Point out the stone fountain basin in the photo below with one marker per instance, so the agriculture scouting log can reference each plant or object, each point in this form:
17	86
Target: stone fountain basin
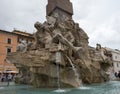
43	70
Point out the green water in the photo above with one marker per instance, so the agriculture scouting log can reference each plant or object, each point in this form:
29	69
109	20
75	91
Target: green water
106	88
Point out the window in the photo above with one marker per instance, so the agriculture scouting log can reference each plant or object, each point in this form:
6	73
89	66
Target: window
9	41
117	65
8	50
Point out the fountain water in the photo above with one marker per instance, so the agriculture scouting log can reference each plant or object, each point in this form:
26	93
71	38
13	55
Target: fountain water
58	60
59	90
58	74
1	87
75	71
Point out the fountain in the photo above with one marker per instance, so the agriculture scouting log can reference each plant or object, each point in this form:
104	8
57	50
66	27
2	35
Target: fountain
75	71
60	52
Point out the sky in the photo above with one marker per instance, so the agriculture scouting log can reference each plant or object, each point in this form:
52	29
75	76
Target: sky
100	19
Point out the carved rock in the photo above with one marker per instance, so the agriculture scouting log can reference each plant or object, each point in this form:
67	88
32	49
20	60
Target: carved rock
60	42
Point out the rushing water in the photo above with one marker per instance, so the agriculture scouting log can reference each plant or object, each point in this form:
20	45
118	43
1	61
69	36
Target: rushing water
75	71
106	88
58	61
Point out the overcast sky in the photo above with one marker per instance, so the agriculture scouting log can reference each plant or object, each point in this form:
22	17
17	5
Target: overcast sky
100	19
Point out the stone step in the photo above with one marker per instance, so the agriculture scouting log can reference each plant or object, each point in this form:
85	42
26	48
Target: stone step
6	83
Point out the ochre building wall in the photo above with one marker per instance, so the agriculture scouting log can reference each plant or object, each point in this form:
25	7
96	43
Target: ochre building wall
3	49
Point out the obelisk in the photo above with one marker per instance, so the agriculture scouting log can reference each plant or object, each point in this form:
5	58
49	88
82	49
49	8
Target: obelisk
63	8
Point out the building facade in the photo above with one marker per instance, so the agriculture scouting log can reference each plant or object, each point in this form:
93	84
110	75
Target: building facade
8	44
115	59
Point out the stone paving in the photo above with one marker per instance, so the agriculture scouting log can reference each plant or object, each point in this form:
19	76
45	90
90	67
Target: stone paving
6	83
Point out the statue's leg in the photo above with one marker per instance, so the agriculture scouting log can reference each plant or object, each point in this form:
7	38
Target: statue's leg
65	42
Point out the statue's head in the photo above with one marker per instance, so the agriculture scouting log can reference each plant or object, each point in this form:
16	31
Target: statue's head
98	46
38	25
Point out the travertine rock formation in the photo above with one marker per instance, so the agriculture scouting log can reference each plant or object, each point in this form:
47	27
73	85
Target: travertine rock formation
61	47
